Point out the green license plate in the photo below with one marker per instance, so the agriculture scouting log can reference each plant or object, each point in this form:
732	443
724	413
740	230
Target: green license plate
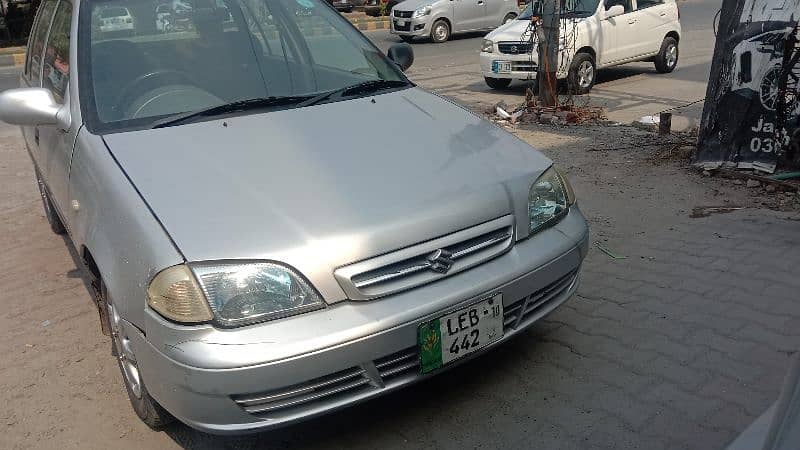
460	333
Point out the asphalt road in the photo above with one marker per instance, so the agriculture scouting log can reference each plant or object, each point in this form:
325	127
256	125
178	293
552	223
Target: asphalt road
627	92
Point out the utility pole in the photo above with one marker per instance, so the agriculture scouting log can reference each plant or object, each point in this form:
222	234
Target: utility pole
548	52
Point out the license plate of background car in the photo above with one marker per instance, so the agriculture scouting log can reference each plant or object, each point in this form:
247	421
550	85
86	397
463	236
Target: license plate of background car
401	23
460	333
501	66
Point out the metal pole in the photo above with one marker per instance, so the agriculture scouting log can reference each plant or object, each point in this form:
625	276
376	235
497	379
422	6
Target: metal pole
548	52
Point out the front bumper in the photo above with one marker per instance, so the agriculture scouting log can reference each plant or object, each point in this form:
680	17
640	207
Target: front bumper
523	66
413	27
231	381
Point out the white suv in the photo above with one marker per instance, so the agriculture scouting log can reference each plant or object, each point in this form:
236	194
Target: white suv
594	34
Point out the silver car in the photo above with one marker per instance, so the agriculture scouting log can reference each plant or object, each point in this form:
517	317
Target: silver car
257	259
439	19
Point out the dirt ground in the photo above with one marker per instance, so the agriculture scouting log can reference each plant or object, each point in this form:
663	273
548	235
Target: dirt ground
61	387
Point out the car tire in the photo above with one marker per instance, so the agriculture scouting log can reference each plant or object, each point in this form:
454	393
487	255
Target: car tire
440	31
148	410
582	74
508	18
407	39
667	57
497	83
49	209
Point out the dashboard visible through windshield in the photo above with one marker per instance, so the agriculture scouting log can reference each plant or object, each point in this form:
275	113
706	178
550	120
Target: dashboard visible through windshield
148	60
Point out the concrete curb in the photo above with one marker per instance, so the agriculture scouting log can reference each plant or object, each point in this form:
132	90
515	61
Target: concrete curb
12	59
16	58
371	25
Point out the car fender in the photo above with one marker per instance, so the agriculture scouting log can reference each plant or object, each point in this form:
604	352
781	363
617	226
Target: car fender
113	228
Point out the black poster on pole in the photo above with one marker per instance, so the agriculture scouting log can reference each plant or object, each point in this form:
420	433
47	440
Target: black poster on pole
738	127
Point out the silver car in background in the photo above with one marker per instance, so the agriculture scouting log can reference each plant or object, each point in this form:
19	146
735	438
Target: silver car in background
253	264
440	19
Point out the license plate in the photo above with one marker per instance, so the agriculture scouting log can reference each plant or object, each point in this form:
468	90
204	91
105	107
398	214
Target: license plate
401	23
460	333
501	66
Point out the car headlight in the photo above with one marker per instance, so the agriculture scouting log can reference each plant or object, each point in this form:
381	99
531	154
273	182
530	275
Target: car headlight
422	11
487	46
231	294
549	200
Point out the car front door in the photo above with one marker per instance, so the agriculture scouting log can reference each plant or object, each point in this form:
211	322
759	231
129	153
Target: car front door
32	73
55	142
654	16
619	33
469	15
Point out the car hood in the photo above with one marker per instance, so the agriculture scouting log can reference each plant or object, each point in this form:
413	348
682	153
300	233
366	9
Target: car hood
513	30
324	186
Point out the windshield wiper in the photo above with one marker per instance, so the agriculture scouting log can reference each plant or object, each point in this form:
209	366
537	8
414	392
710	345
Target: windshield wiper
237	106
358	88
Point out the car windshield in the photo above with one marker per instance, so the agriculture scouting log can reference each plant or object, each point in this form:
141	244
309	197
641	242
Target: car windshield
145	67
571	8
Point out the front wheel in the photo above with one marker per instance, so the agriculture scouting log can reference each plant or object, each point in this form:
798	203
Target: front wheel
440	31
667	57
581	76
151	413
497	83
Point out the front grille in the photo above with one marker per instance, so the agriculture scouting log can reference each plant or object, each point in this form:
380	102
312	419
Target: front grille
388	371
323	388
523	66
398	365
406	27
403	14
419	264
514	48
522	310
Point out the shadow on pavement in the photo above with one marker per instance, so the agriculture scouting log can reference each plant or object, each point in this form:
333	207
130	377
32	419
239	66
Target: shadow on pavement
456	37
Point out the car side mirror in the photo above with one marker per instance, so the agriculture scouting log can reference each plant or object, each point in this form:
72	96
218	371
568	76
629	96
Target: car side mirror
32	107
614	11
402	55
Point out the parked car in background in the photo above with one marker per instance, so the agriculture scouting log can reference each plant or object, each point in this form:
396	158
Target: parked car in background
345	5
116	20
164	18
247	286
439	19
379	7
594	35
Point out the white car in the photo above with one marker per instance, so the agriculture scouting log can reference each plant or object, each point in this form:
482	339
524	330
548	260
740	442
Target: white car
114	19
594	34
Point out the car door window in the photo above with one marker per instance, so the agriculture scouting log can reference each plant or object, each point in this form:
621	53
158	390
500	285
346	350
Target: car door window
626	4
33	66
642	4
55	73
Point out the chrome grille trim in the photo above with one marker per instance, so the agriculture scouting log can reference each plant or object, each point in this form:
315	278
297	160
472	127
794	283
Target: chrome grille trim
412	266
420	264
514	48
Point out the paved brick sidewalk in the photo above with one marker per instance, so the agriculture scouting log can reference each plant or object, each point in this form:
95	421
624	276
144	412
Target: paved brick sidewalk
687	340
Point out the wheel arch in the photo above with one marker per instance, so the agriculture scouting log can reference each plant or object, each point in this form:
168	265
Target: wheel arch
446	19
673	34
588	49
116	235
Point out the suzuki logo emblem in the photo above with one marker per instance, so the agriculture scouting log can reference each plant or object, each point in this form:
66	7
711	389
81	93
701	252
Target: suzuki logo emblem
514	48
440	261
